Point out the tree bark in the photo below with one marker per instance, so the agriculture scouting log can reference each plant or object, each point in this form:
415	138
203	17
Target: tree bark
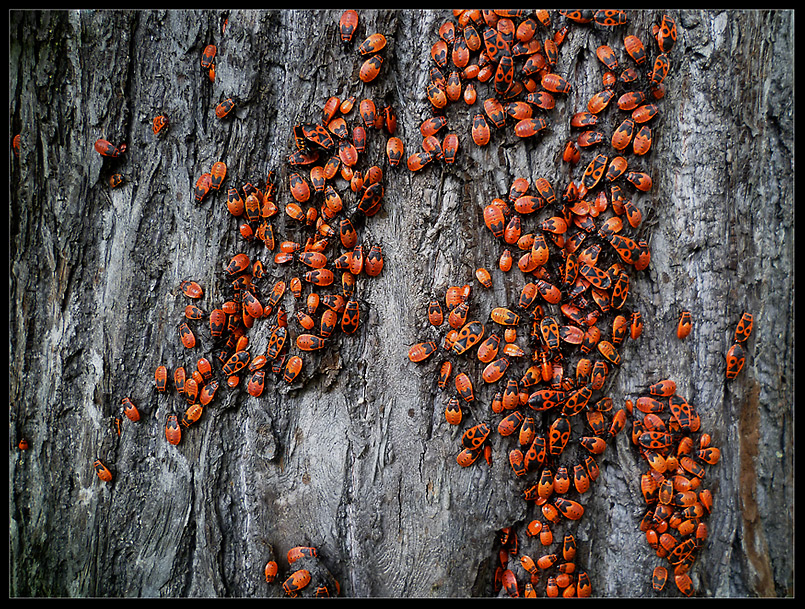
355	457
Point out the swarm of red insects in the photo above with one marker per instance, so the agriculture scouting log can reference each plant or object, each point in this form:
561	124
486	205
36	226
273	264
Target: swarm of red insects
547	564
666	429
576	247
313	231
332	190
576	243
307	575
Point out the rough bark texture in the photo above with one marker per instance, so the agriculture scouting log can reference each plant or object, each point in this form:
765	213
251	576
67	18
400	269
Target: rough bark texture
356	458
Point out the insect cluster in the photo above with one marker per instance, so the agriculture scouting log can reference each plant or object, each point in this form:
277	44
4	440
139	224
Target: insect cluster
669	438
546	358
307	567
576	244
736	357
332	189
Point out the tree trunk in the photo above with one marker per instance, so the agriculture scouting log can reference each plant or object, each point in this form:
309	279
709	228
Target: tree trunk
355	457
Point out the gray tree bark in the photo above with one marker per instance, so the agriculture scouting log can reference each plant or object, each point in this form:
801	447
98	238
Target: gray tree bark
355	457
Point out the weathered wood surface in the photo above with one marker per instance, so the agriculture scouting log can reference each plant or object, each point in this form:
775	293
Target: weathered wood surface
358	460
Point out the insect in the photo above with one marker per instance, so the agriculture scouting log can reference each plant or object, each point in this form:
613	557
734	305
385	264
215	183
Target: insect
256	383
666	34
607	56
661	67
237	362
464	387
130	410
292	368
104	148
609	17
622	136
438	52
161	377
468	456
558	435
474	437
160	124
504	75
102	471
572	510
217	175
480	130
348	24
735	360
594	172
598	102
351	317
298	580
217	322
555	83
659	577
684	326
435	314
191	415
421	351
529	127
187	336
450	148
208	393
223	109
418	160
394	150
271	571
634	47
370	68
203	186
373	44
433	125
452	412
644	113
374	261
298	552
437	95
504	316
744	328
173	433
208	56
684	583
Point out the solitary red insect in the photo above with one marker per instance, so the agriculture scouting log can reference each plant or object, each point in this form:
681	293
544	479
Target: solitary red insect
161	377
208	56
684	326
348	24
102	471
173	433
104	148
130	410
224	108
160	123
